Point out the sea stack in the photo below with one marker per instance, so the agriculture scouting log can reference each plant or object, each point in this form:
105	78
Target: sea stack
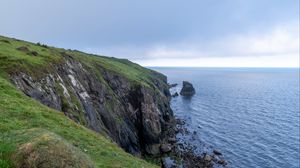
187	89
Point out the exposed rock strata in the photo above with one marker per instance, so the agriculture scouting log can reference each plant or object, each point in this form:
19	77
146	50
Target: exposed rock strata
132	114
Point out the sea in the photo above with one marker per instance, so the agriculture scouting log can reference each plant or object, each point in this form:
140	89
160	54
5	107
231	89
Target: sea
251	115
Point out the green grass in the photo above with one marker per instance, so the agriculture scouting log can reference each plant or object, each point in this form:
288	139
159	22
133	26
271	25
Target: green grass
13	60
19	112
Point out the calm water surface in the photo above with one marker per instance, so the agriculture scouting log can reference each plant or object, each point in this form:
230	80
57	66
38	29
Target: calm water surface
251	115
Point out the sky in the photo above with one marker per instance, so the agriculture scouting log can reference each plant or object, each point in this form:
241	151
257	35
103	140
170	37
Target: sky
191	33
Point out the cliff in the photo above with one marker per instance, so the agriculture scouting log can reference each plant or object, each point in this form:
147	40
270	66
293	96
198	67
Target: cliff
113	97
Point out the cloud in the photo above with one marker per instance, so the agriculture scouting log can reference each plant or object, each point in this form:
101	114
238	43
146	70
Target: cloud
262	61
280	40
278	46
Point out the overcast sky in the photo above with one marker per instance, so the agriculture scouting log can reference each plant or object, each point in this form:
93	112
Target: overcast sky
217	33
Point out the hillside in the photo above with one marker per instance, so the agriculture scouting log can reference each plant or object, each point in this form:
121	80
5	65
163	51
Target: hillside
94	103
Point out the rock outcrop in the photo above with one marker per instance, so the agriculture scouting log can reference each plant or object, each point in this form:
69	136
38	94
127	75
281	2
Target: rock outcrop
173	85
187	89
133	114
175	94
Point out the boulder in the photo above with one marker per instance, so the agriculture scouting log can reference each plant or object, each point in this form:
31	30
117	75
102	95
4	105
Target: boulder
165	148
23	49
207	158
222	162
187	89
216	152
34	53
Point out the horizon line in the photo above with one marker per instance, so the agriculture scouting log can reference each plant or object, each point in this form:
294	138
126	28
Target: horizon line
215	67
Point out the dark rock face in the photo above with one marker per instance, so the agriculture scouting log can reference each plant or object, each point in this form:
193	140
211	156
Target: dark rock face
175	94
187	89
133	115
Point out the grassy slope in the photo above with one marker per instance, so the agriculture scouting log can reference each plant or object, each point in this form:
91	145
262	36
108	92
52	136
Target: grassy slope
19	112
12	60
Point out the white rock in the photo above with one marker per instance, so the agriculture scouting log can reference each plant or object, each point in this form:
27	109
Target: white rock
84	95
73	80
65	90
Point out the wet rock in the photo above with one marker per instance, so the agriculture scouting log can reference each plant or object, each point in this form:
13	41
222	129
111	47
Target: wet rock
172	140
180	122
165	148
175	94
207	158
222	162
187	89
173	85
216	152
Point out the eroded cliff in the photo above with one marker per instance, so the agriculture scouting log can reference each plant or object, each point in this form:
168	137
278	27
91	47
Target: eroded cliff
111	96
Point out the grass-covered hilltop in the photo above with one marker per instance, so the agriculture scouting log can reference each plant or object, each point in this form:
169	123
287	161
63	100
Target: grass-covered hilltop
66	108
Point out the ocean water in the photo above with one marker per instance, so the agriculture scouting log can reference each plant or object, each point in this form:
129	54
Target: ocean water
250	114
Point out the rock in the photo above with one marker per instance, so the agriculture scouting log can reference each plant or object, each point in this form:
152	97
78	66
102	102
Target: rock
23	49
26	50
165	148
173	85
222	162
34	53
216	152
207	158
187	89
172	140
153	149
175	94
176	130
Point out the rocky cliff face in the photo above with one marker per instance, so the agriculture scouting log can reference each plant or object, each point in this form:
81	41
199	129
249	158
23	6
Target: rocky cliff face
133	114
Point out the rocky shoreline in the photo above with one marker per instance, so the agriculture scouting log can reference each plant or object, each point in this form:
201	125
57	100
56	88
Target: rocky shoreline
182	148
178	151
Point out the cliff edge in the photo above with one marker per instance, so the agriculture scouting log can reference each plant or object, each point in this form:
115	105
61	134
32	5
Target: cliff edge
114	97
